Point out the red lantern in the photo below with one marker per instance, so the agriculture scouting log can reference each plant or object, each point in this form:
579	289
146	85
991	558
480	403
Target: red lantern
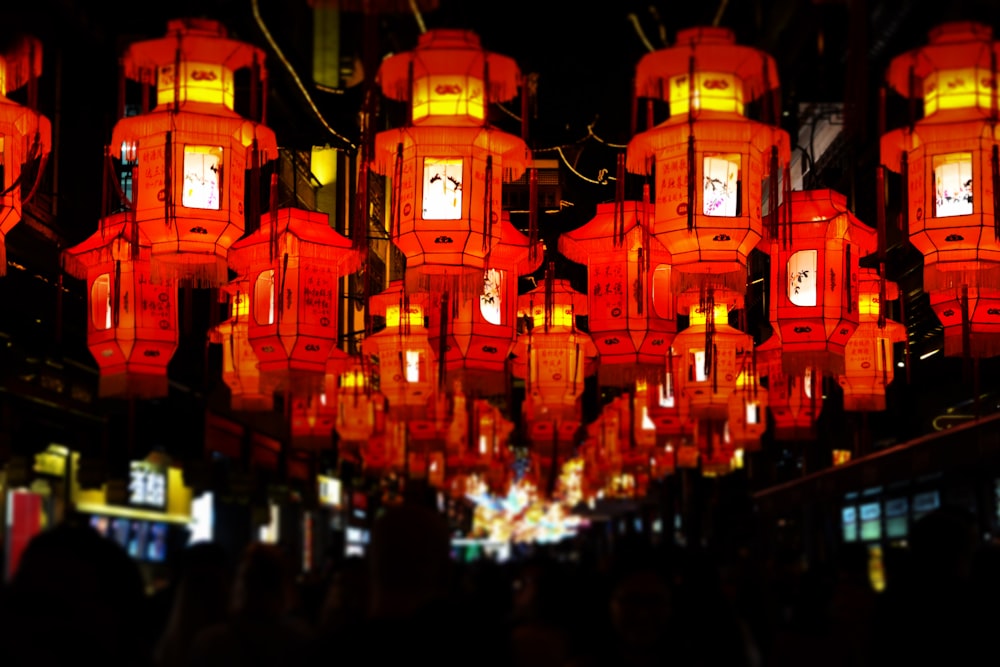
360	409
293	264
448	159
795	400
747	419
407	374
479	330
191	152
814	280
239	361
631	305
312	420
709	159
132	322
24	135
869	362
489	431
949	160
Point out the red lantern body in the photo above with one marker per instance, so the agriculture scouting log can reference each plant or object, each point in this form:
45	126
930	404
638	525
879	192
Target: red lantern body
448	164
24	134
869	360
192	150
360	409
794	400
488	449
294	283
132	322
949	160
631	304
481	328
747	420
814	280
709	159
239	361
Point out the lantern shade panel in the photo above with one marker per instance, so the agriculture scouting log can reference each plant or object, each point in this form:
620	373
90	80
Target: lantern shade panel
240	373
794	400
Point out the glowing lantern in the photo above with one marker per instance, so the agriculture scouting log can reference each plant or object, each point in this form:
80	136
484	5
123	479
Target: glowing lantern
293	264
407	374
631	303
814	280
132	322
709	159
448	159
312	420
480	329
360	409
870	358
950	163
24	135
489	431
747	419
707	354
239	361
795	400
191	152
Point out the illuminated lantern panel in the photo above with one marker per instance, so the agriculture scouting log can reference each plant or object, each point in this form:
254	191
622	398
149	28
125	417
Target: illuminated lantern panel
24	134
132	323
794	400
360	409
190	153
239	361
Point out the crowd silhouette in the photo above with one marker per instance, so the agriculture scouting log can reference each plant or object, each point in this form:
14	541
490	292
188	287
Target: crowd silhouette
77	596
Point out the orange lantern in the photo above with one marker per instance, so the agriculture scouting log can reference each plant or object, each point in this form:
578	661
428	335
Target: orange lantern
795	400
312	420
950	162
293	264
407	374
132	322
360	409
707	353
814	279
870	358
192	151
709	159
631	305
448	159
747	419
475	334
24	135
476	439
239	361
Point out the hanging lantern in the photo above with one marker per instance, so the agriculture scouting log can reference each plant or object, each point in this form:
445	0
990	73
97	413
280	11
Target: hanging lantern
795	400
192	150
747	419
489	432
950	162
472	336
631	304
814	279
709	159
312	421
360	409
717	455
707	353
869	362
25	136
239	362
448	159
132	322
293	264
407	374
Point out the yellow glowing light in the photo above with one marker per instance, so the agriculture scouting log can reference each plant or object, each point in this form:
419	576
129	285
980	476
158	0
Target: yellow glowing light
415	314
562	316
240	306
699	317
841	456
447	95
199	82
957	89
714	91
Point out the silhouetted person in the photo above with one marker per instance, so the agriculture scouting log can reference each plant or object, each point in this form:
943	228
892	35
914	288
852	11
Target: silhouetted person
76	598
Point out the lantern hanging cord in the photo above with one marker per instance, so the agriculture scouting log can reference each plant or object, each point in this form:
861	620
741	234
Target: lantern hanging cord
718	14
418	16
642	35
291	70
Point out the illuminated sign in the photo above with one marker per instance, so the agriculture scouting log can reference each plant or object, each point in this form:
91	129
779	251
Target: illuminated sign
147	485
330	491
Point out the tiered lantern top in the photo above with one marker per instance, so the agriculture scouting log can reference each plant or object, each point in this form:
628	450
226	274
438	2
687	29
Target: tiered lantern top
449	79
206	59
955	70
553	307
726	74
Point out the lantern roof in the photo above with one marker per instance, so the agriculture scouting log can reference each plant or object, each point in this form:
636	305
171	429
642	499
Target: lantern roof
598	235
951	46
308	233
19	64
196	40
563	294
823	213
393	296
99	246
514	249
449	52
868	283
450	140
713	50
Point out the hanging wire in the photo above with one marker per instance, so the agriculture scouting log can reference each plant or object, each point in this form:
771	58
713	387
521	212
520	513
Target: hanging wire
634	20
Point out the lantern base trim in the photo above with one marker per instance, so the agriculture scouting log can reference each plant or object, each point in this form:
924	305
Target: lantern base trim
461	282
198	270
734	280
944	276
133	385
627	374
864	403
794	362
251	403
982	345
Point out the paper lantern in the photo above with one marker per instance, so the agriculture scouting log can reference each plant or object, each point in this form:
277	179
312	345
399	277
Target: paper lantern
293	263
360	409
312	420
869	360
407	373
794	400
192	150
239	361
448	160
709	159
951	167
747	419
474	334
631	304
477	438
814	279
131	321
707	353
25	136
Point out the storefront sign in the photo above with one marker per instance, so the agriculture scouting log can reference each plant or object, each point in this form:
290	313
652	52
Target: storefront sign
147	485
